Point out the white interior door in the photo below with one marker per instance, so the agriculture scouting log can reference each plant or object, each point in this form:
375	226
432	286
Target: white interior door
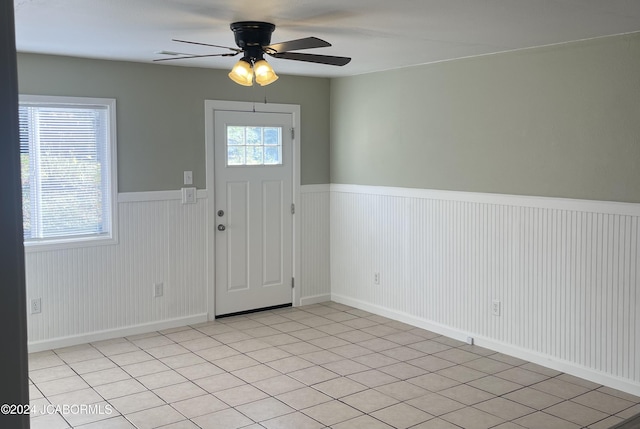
254	221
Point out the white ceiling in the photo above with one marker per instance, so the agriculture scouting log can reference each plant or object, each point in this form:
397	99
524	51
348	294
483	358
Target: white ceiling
377	34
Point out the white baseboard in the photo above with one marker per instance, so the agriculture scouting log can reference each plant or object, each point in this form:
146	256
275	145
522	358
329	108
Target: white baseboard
315	299
538	358
74	340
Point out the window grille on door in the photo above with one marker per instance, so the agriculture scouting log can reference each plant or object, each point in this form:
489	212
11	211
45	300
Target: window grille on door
254	145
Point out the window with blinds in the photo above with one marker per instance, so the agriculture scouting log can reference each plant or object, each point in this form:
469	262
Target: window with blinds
68	173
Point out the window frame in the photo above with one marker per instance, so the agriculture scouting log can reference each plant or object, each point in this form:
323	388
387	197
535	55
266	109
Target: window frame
262	145
111	237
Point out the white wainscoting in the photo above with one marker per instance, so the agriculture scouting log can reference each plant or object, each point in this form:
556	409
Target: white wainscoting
314	253
100	292
565	271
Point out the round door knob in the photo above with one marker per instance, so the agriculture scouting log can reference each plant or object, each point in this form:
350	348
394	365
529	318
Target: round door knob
221	227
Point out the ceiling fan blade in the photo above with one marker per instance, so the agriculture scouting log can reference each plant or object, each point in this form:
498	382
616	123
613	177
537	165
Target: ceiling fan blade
312	58
294	45
207	44
173	53
196	56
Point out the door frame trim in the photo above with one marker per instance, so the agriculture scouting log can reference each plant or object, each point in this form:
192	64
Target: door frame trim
210	108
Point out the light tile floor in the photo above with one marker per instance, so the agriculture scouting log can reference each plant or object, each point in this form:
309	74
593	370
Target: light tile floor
313	367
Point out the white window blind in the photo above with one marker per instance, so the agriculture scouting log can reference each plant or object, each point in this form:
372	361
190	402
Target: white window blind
66	170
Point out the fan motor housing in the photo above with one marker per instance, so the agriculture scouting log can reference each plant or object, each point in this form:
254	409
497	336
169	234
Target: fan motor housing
251	36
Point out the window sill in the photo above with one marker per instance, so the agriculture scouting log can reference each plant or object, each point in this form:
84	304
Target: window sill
69	243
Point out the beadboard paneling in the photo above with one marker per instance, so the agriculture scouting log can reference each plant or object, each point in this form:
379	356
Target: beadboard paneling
104	291
565	272
314	253
90	290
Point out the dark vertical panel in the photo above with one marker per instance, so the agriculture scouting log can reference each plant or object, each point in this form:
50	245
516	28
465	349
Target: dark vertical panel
14	387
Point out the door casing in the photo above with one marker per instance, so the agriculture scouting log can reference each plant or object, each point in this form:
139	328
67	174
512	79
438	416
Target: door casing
211	106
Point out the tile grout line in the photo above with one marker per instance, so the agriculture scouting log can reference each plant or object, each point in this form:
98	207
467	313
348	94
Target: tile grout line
308	342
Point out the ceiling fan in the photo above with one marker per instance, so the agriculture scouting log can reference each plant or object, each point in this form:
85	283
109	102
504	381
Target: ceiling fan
254	40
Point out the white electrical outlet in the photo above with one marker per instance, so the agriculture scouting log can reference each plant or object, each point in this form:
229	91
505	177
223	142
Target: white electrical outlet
36	306
376	278
158	290
188	177
496	307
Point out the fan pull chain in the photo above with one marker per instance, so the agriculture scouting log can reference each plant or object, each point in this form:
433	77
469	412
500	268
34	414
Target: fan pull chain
265	100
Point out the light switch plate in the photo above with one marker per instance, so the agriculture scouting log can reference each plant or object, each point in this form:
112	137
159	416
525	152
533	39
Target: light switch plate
188	177
189	195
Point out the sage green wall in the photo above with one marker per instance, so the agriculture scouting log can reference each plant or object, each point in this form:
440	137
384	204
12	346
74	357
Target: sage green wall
560	121
160	113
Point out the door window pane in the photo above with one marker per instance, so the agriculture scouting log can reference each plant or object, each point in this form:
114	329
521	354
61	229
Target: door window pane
254	155
254	135
235	155
254	145
235	136
272	155
272	136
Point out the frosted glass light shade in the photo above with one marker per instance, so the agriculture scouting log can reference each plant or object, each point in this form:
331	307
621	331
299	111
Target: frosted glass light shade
241	73
264	73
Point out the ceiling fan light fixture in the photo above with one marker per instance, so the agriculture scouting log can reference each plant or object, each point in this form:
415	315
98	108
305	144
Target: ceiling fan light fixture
264	73
254	41
241	73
